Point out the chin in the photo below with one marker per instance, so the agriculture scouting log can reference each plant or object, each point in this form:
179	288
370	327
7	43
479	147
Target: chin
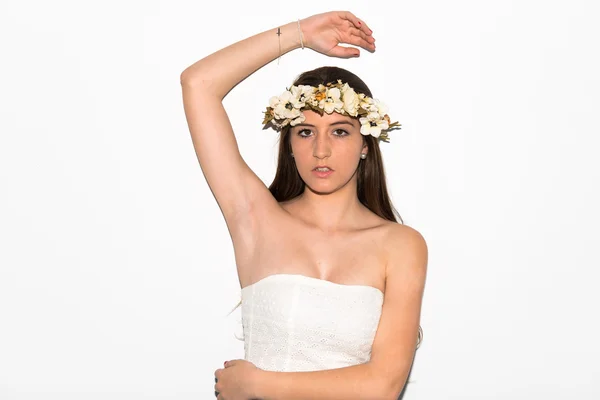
327	185
322	186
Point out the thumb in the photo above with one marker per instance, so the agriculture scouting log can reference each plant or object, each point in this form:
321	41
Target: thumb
345	52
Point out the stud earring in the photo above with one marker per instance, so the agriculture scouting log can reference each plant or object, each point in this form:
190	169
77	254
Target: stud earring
292	154
363	156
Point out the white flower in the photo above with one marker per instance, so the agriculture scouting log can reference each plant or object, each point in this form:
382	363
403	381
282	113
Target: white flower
280	112
278	104
273	101
300	95
298	120
373	116
350	99
372	127
332	101
294	113
286	109
366	103
382	109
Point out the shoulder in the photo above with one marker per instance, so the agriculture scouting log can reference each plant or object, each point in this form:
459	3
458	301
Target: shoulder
407	250
403	235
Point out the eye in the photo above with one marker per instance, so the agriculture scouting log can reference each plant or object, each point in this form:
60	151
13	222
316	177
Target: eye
340	132
302	131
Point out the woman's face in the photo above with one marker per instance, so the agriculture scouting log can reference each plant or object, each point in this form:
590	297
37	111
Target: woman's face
333	141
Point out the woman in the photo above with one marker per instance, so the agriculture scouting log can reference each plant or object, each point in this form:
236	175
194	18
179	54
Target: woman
331	283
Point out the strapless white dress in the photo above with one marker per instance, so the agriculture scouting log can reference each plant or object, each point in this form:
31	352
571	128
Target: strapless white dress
294	323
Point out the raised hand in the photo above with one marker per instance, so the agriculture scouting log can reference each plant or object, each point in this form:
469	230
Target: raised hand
325	32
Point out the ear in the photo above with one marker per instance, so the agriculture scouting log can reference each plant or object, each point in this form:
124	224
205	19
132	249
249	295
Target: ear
365	148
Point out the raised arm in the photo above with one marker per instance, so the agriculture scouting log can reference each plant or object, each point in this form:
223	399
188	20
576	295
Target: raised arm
241	195
236	188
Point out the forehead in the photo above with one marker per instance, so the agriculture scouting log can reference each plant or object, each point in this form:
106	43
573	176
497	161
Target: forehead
314	118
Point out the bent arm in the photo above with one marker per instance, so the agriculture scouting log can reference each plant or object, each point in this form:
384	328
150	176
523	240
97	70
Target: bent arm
385	374
356	382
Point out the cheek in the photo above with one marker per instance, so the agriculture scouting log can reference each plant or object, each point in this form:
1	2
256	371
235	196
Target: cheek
348	154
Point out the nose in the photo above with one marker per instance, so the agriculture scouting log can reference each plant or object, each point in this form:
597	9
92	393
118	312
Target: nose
321	146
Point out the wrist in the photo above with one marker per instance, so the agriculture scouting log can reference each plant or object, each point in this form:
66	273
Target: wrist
259	383
290	38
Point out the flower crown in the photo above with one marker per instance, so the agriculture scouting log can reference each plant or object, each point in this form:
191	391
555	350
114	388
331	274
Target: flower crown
339	97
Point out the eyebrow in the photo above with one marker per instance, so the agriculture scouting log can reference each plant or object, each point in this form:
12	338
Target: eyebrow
332	124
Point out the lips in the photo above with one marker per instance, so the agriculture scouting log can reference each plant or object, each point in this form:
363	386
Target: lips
322	173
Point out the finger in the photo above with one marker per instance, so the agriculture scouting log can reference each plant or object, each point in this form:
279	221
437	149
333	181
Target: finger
352	18
344	52
365	28
360	42
358	23
358	33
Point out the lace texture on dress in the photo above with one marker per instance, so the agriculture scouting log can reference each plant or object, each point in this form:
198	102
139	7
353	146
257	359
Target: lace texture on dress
294	323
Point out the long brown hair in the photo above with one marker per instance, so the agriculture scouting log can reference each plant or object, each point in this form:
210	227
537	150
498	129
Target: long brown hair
372	189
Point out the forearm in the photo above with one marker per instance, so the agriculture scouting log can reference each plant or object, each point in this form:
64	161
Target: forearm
222	70
357	382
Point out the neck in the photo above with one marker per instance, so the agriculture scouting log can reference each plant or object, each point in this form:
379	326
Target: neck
330	212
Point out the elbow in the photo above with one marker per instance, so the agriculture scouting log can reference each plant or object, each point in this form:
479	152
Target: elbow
386	394
193	76
200	83
390	395
187	78
388	390
183	77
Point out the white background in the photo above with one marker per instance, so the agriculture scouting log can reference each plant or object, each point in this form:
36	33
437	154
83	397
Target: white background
116	268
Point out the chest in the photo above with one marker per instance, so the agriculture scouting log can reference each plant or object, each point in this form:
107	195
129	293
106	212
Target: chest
354	257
